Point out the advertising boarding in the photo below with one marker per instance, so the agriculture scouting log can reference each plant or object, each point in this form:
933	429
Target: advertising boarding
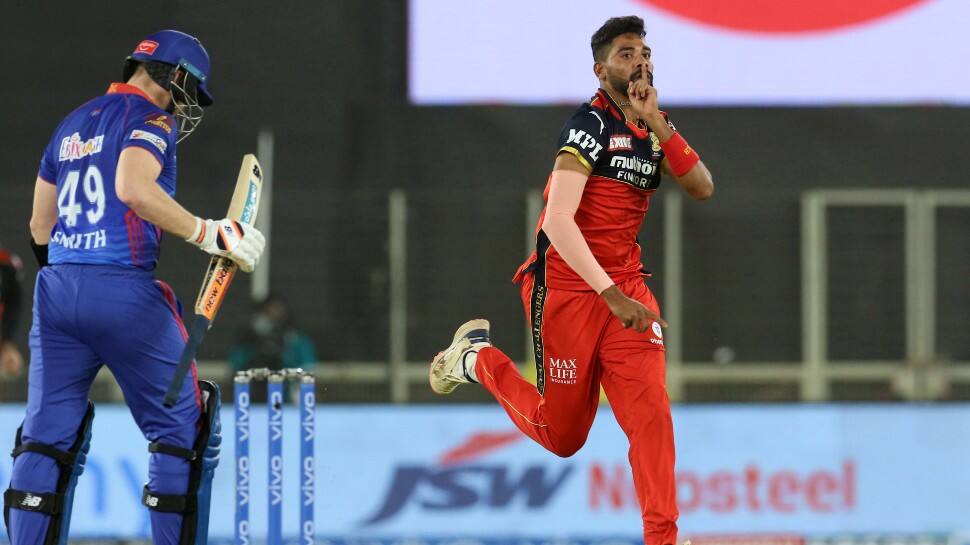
705	52
438	473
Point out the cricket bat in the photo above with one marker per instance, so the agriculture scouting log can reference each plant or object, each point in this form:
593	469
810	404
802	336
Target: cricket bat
242	208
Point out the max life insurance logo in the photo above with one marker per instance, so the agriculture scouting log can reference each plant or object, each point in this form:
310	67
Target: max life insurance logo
460	481
783	17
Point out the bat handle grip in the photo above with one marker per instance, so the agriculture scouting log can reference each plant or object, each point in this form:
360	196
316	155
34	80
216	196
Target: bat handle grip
199	327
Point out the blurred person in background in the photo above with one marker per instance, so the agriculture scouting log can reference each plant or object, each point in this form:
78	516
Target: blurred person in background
272	340
10	302
594	320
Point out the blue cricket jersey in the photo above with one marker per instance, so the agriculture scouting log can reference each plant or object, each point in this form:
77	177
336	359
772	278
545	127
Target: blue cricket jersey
93	225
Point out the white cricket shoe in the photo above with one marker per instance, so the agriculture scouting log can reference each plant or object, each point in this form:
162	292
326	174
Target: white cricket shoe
452	366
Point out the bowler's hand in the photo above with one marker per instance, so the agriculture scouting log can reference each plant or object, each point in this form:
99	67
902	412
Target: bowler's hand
630	312
643	98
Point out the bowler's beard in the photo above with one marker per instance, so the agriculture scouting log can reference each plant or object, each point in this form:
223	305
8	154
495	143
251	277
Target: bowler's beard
619	84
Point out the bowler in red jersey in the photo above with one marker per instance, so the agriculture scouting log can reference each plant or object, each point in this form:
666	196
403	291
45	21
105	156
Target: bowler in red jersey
594	321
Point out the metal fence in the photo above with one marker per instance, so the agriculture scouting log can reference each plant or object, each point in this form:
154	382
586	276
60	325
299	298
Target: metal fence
895	355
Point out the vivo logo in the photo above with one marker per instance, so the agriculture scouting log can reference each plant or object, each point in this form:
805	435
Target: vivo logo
309	412
306	538
243	532
306	487
276	417
242	417
242	480
276	480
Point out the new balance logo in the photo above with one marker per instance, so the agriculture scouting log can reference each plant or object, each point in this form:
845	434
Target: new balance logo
31	500
151	501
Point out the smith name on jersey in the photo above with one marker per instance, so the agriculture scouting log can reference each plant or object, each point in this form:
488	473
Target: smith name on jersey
93	225
624	162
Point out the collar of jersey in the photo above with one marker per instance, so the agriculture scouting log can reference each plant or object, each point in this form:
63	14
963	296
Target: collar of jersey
604	101
124	88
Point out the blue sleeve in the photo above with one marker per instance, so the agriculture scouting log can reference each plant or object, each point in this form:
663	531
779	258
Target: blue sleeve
152	131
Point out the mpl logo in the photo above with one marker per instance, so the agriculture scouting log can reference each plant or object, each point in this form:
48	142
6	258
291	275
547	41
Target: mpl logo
455	484
584	141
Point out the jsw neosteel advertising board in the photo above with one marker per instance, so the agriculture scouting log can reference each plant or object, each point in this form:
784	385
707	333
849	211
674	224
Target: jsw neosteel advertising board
440	471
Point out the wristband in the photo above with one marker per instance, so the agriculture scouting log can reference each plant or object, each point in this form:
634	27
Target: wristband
198	235
40	252
679	154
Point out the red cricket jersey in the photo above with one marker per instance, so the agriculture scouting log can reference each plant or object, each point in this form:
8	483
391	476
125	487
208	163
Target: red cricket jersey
625	171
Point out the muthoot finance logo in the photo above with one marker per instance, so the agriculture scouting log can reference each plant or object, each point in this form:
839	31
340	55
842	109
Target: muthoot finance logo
455	483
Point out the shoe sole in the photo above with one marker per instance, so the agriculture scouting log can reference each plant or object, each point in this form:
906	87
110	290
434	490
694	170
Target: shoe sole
436	363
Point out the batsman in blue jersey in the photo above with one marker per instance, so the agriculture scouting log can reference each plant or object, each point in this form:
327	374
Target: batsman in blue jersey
102	198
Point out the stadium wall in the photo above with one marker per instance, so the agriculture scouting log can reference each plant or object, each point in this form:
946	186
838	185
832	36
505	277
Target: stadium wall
345	136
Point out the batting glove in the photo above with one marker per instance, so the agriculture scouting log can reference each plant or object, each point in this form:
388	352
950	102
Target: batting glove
228	238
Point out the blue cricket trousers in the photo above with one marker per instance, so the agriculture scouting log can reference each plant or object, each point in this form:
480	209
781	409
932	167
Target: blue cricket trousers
86	316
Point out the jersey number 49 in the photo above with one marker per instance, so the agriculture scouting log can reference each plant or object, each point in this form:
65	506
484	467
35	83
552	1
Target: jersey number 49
93	186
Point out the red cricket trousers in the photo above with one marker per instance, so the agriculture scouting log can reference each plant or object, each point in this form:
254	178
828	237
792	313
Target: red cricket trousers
580	345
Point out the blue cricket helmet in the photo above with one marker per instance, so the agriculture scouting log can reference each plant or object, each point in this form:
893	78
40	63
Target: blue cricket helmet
177	49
